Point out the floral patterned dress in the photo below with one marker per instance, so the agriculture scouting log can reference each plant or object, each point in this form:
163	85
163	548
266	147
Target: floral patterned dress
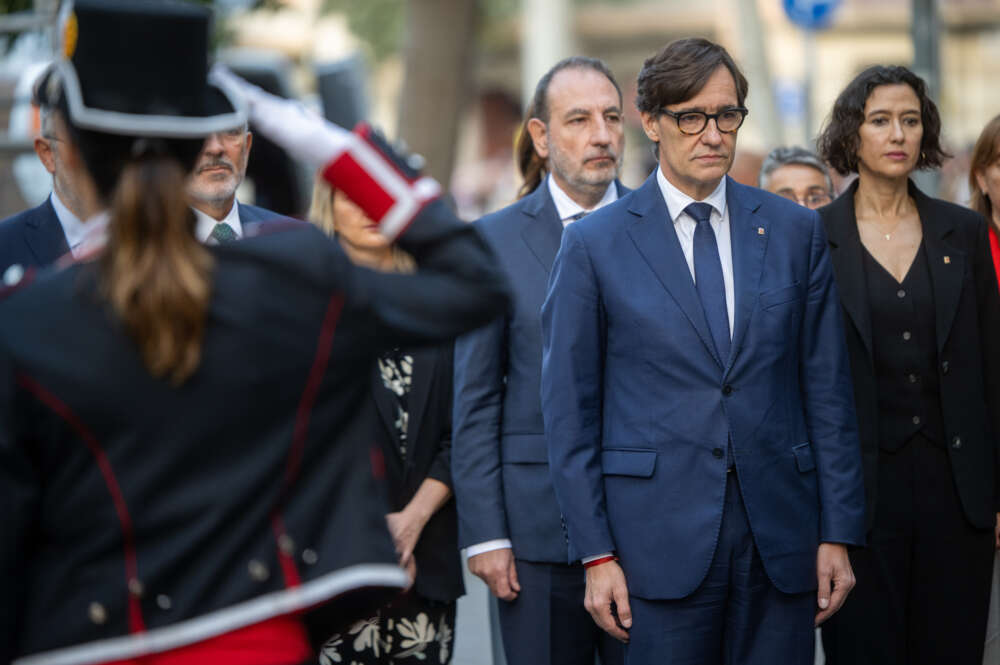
411	629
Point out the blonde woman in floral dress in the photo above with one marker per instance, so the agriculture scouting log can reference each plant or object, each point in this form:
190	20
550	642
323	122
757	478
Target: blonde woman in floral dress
410	414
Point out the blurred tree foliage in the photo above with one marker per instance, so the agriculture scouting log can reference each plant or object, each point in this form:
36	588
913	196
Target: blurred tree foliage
8	6
380	23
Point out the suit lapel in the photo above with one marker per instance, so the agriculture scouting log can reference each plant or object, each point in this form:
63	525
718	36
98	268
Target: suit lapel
658	245
384	403
748	234
848	263
44	234
542	229
420	389
947	264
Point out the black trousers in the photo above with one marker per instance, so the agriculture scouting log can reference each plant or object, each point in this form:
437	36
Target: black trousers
923	583
547	623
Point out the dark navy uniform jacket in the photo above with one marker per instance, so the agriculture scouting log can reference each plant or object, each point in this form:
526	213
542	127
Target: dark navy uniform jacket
139	516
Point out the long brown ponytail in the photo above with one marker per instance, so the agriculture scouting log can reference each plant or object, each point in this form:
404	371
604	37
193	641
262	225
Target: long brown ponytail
154	272
529	164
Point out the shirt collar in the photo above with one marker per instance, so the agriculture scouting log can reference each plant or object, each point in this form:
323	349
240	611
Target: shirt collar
567	207
73	228
677	200
205	223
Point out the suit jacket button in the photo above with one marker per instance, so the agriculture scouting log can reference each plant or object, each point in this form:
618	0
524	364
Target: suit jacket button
97	614
163	602
309	556
258	571
944	366
956	443
727	389
718	453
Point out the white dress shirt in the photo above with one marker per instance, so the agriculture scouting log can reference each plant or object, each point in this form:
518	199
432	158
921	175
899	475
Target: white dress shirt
206	223
684	225
73	228
566	208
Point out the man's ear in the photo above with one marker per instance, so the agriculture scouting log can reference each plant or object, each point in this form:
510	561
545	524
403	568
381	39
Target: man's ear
539	137
650	126
45	156
249	141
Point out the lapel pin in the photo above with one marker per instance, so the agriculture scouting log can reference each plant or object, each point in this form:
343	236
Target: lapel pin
760	230
947	259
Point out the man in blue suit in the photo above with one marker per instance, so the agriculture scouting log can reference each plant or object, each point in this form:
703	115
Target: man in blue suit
697	398
40	235
570	151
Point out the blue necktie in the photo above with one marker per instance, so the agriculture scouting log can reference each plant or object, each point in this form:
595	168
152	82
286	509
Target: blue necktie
708	278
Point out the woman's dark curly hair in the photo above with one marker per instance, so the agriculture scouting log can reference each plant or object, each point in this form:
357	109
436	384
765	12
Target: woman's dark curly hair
839	141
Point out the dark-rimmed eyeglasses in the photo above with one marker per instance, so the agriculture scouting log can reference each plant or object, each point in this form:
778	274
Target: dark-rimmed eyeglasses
694	122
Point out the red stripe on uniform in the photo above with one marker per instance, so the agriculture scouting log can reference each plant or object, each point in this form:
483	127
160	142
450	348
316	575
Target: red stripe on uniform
135	621
285	560
347	175
995	252
324	345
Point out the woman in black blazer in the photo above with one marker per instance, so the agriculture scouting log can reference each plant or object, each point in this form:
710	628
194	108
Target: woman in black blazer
411	391
181	468
922	320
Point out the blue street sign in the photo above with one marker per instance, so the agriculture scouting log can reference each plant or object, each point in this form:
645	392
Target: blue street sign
810	14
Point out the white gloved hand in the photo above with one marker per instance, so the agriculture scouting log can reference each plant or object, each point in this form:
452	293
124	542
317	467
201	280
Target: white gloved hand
360	163
287	122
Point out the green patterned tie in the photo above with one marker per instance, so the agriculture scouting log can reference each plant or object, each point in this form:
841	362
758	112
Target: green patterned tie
223	233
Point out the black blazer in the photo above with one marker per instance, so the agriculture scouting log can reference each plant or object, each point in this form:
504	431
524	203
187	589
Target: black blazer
32	238
245	493
967	311
439	564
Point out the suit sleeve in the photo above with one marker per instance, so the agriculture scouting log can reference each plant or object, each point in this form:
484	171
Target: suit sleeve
828	398
480	369
19	491
989	334
573	333
441	465
458	284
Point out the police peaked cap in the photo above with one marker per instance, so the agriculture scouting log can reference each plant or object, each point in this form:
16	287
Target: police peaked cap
140	68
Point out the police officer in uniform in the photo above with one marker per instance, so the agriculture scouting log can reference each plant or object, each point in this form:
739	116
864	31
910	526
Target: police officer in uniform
180	473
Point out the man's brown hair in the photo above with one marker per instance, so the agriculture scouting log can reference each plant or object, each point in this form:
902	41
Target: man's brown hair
680	70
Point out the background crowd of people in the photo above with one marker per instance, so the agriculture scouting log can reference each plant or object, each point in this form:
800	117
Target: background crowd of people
688	422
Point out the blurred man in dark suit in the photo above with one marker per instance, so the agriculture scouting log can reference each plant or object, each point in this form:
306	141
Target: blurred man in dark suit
40	235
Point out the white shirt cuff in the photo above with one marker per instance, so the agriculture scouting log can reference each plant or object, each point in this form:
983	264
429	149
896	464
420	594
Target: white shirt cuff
588	559
488	546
